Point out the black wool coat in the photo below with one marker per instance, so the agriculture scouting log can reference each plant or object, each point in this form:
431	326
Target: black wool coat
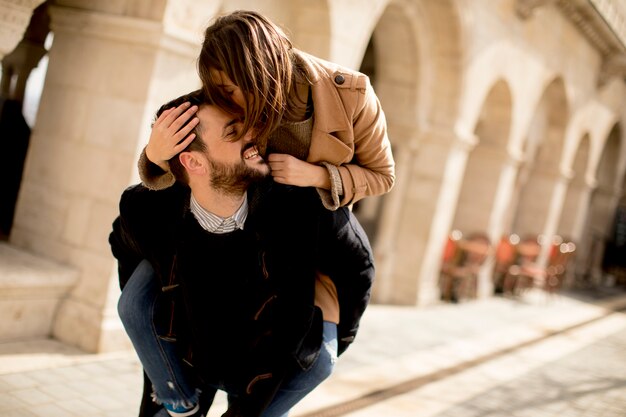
288	235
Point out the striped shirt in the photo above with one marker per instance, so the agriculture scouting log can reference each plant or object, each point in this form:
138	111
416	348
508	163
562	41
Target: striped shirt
213	223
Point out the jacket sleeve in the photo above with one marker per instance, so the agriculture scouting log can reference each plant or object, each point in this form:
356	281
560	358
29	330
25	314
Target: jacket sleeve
346	256
152	176
372	171
145	228
124	247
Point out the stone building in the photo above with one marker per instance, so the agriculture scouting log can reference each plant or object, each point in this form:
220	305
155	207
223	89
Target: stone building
506	116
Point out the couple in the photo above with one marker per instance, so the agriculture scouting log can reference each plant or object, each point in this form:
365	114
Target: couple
235	276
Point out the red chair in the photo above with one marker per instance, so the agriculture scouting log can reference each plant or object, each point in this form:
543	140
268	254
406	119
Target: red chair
459	276
561	254
526	273
505	256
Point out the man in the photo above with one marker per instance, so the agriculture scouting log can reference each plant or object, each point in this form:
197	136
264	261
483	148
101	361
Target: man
236	258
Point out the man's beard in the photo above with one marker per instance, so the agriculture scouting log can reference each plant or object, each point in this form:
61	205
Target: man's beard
233	179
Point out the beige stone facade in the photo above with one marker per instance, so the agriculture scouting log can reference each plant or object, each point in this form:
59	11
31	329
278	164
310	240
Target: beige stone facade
505	116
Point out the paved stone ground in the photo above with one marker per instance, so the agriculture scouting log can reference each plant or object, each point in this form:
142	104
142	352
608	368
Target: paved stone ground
581	373
588	382
534	357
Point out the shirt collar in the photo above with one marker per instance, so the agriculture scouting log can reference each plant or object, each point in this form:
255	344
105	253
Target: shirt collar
215	224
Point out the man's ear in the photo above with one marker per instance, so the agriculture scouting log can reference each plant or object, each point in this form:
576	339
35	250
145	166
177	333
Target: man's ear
192	162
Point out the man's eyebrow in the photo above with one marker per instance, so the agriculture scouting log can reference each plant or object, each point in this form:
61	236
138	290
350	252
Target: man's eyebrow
227	125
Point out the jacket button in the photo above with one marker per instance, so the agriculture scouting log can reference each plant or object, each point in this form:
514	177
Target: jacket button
340	79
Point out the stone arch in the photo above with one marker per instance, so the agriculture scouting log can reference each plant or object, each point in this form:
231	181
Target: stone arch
485	161
394	71
600	213
18	105
607	175
415	57
394	74
542	152
442	78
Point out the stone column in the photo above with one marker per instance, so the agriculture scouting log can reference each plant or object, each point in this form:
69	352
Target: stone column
386	248
433	179
503	199
554	214
582	232
106	77
582	210
14	18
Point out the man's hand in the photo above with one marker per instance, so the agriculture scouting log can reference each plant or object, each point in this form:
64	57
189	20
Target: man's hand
171	134
287	169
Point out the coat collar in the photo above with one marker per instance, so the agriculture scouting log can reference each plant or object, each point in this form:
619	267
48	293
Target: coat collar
331	116
329	113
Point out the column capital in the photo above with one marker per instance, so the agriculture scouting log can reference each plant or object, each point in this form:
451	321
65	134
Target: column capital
591	181
612	66
449	137
516	157
525	8
567	175
123	29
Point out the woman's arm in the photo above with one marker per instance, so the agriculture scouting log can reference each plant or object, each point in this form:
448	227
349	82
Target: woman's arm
370	173
171	134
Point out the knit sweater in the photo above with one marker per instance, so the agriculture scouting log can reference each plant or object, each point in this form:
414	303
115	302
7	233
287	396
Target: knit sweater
225	292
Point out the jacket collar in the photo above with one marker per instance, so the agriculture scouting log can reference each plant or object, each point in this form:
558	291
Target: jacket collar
329	113
331	116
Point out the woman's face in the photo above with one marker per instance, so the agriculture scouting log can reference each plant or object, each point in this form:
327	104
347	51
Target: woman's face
229	88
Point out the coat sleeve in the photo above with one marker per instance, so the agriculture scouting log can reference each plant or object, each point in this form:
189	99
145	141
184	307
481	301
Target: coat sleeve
346	256
123	246
372	171
145	228
152	176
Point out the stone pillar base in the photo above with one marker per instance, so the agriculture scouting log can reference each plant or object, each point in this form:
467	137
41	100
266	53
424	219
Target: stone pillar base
89	328
31	289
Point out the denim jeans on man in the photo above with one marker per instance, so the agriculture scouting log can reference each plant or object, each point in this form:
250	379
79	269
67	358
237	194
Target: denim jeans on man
159	358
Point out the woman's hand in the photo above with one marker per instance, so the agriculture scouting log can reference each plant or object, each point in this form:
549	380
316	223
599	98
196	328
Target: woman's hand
171	134
290	170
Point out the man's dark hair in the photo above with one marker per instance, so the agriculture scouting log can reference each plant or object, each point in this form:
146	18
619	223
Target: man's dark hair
197	98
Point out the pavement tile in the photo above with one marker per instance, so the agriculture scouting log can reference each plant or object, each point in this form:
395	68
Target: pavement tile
69	373
59	391
79	407
32	396
84	387
52	410
9	402
104	401
18	381
20	412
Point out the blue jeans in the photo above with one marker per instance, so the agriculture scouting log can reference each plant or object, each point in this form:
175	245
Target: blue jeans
164	367
300	384
136	307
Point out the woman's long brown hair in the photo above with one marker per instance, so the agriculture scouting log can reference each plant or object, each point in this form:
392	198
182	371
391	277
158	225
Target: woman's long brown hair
258	57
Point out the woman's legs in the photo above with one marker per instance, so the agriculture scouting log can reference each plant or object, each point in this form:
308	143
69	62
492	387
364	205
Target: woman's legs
159	358
304	382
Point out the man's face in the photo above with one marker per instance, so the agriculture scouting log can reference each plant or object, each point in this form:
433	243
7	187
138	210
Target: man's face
234	164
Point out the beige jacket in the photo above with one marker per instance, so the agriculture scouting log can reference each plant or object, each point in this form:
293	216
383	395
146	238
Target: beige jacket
349	131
